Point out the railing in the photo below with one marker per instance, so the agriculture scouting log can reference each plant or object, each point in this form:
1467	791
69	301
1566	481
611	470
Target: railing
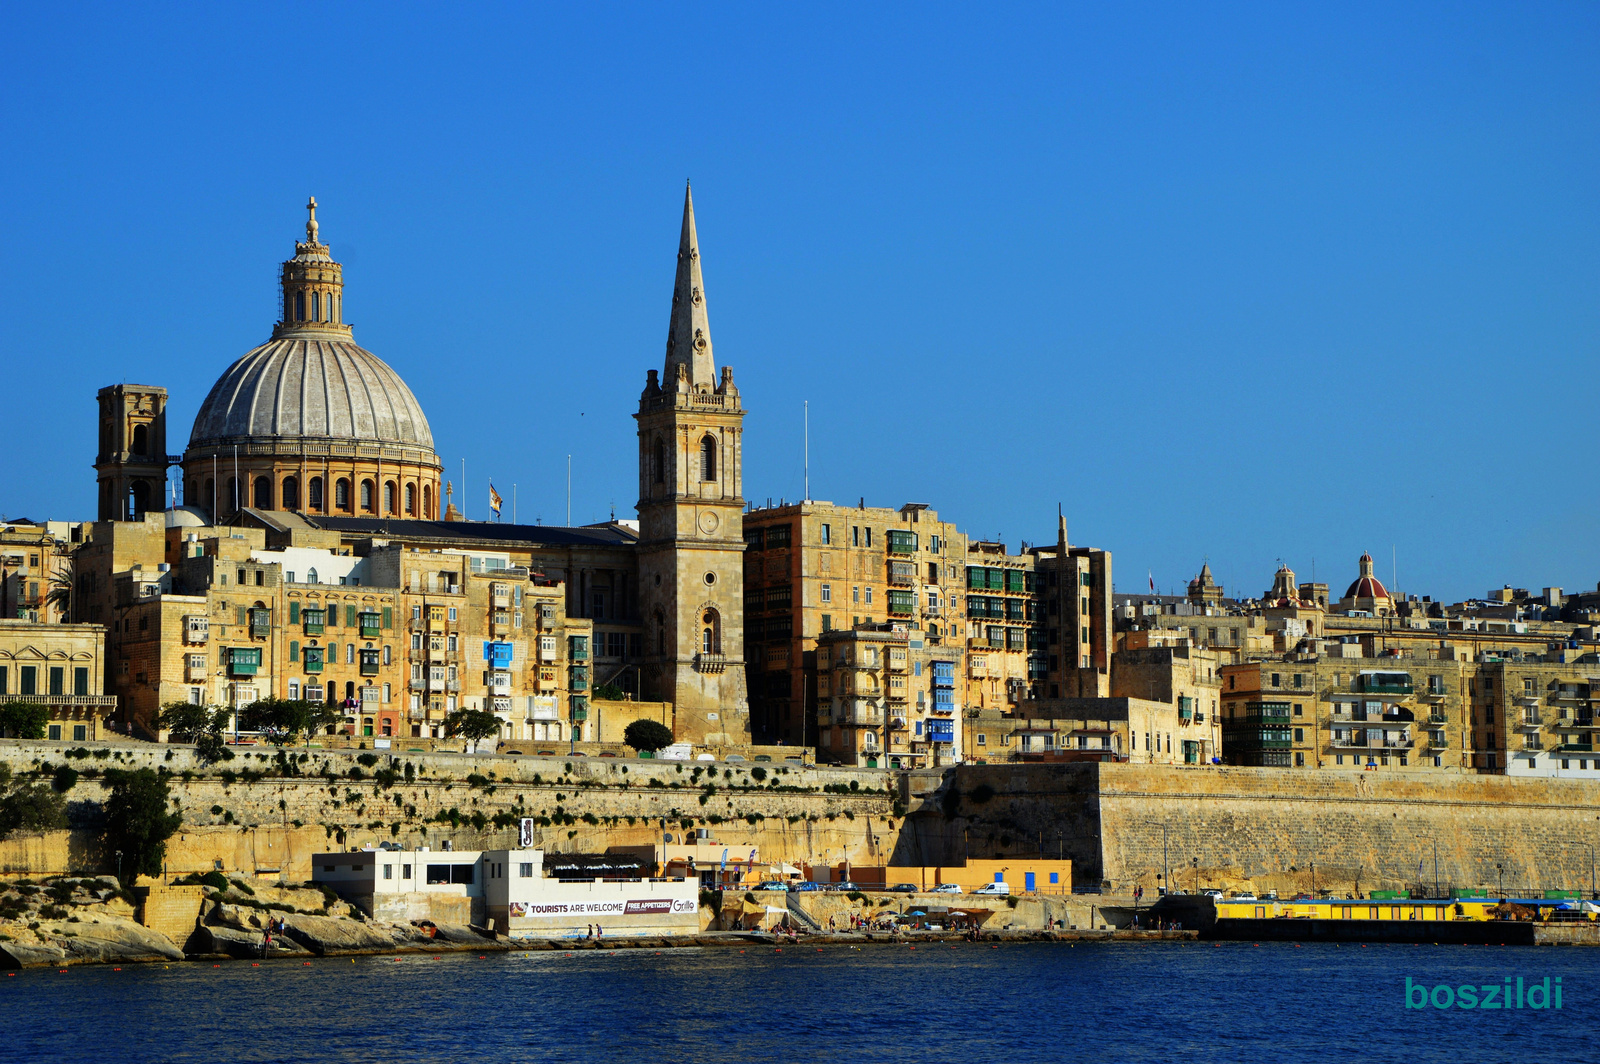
1577	748
708	663
65	700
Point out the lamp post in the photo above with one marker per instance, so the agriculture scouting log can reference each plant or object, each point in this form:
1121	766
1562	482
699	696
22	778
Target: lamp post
1500	887
1166	877
1196	862
1435	842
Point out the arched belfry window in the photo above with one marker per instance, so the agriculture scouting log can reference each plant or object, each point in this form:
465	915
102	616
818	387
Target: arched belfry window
299	306
367	490
263	493
389	497
141	439
658	463
316	306
708	458
314	493
710	633
427	500
411	499
341	493
291	493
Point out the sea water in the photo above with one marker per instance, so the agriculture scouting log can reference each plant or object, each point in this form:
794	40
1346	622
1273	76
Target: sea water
971	1003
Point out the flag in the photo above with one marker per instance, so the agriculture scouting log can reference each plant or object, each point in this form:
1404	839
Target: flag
1149	572
494	499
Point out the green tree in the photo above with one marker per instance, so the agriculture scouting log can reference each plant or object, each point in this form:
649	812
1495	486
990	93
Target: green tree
24	720
647	735
201	725
62	583
137	823
473	724
32	808
282	720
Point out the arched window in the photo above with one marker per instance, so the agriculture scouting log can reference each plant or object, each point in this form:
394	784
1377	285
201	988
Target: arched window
263	493
314	493
316	306
141	439
299	306
311	578
658	463
334	301
291	493
366	494
708	458
411	499
427	500
711	633
341	494
661	633
388	497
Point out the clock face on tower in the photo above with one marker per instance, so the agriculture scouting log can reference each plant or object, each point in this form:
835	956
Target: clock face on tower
708	522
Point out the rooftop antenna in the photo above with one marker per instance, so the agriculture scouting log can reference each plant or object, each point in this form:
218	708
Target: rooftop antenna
569	491
806	410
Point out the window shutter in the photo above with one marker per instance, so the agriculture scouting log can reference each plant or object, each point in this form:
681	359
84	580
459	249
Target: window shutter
388	617
349	616
241	614
294	650
294	613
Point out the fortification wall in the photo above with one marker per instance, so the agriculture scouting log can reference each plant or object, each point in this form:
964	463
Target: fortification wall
270	824
1231	828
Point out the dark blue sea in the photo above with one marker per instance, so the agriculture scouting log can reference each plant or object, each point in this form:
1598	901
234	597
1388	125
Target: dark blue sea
971	1003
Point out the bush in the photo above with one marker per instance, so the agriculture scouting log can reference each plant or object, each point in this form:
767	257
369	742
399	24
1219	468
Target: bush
758	773
215	880
980	794
24	720
64	779
647	735
137	822
32	809
368	759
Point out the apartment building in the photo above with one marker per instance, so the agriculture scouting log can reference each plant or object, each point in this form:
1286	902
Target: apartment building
886	698
62	667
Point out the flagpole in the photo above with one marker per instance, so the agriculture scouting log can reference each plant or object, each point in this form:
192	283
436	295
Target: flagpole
513	502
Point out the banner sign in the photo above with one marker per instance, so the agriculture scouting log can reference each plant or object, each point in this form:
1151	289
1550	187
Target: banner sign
618	907
525	836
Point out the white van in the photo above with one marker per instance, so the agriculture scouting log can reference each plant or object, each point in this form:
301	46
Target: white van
994	888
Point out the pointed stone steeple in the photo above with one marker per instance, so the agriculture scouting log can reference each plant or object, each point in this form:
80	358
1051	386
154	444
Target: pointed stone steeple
689	332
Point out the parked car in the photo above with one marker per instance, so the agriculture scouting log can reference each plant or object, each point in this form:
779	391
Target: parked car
762	757
1302	897
1270	895
1217	894
946	888
994	888
844	885
903	888
734	757
807	888
772	884
1245	896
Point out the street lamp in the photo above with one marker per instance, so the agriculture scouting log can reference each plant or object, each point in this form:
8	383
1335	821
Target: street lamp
1500	871
119	869
1435	862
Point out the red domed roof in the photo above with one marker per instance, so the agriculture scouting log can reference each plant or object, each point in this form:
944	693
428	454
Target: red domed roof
1367	587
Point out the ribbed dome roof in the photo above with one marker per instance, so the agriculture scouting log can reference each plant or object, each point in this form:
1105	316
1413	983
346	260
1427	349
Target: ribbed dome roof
305	386
1367	587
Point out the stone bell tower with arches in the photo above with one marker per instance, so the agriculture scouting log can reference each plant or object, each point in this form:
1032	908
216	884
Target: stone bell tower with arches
691	529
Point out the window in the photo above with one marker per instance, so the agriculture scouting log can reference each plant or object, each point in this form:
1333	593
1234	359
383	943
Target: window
827	535
827	592
855	535
341	493
869	596
388	871
366	494
708	458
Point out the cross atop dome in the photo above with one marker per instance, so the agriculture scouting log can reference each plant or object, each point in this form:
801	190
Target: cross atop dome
311	224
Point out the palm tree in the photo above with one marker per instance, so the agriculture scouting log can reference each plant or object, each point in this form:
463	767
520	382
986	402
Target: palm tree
63	582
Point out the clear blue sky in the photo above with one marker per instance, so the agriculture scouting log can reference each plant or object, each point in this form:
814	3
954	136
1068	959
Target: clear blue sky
1237	282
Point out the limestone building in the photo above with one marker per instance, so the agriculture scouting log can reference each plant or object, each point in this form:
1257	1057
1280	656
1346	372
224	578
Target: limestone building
59	666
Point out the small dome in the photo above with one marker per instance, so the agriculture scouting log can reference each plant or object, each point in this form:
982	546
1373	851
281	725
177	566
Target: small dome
311	387
186	517
1367	587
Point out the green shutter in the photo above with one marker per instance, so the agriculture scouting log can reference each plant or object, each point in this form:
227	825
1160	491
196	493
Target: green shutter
349	616
294	650
388	617
241	614
294	613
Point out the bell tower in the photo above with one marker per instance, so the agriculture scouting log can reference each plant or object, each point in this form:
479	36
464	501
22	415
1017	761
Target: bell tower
132	461
691	529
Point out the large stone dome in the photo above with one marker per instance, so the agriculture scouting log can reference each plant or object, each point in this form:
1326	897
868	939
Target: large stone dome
311	387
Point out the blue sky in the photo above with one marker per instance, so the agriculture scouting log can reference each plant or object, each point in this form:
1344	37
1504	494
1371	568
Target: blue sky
1240	282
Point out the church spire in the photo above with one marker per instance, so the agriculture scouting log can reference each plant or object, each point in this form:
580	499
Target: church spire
689	331
313	286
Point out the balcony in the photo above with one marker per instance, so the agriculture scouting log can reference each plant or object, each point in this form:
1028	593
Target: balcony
1437	718
1529	722
1575	748
1570	694
708	663
418	685
1437	742
452	685
109	701
580	715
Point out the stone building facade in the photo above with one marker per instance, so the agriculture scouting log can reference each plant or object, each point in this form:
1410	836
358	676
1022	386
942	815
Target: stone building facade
59	666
